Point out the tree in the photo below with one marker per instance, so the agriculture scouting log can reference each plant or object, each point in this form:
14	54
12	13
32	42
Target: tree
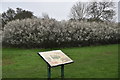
11	14
19	10
79	11
45	15
8	16
101	11
95	11
23	15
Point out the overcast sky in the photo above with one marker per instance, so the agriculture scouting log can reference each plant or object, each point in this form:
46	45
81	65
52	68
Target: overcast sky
56	9
119	11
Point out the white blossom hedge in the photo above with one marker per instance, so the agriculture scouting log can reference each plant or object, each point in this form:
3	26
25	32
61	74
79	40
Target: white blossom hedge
48	33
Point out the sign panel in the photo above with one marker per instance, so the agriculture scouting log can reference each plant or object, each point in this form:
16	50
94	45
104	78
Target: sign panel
55	58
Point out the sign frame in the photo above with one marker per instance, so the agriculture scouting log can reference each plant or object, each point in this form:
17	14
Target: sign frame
55	65
49	66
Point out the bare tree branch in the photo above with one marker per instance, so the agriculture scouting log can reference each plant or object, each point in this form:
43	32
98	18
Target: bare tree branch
99	11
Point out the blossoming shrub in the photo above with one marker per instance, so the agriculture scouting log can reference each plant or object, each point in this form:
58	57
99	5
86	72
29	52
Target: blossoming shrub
47	33
87	33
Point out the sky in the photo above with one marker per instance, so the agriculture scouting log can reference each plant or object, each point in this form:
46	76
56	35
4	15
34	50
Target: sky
119	11
58	9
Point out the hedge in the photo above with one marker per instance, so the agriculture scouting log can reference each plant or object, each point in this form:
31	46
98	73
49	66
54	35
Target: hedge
49	33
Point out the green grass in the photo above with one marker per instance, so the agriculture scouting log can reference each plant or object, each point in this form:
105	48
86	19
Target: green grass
89	62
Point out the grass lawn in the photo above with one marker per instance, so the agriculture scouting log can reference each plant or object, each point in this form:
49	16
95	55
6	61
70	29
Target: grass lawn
89	62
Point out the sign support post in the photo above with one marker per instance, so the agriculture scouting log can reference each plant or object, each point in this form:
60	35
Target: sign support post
49	71
62	71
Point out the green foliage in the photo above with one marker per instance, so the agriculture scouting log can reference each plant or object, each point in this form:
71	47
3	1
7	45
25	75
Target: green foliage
23	15
11	14
7	16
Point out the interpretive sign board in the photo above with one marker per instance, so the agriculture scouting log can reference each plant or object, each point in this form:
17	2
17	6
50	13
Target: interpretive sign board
55	57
